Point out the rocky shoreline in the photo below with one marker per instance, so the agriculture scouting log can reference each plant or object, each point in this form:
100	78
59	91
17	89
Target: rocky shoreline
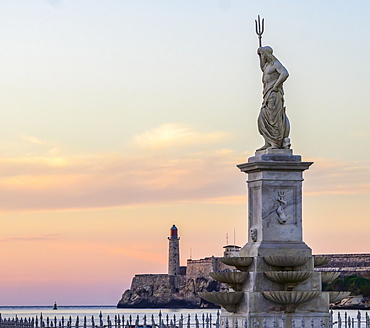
168	292
352	303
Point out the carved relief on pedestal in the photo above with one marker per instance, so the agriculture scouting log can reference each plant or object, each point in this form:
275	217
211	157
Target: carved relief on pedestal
281	203
254	234
281	206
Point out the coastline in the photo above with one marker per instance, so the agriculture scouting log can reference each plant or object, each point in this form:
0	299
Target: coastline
358	302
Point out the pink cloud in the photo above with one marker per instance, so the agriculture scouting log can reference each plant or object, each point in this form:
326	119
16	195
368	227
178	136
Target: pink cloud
41	237
333	177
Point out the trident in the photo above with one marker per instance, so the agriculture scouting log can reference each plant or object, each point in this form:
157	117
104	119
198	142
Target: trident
259	29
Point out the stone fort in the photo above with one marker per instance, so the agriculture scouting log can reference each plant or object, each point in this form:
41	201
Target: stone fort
179	288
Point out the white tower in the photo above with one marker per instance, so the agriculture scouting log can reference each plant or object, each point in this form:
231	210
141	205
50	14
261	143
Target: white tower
173	252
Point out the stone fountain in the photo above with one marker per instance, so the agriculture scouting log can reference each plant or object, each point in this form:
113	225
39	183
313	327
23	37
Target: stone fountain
275	269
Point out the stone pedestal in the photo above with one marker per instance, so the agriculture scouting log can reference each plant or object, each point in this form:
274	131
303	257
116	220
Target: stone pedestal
281	279
275	204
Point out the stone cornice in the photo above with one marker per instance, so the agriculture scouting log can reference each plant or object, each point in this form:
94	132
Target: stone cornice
274	166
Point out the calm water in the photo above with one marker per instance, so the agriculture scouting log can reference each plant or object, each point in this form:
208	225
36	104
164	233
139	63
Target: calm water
88	311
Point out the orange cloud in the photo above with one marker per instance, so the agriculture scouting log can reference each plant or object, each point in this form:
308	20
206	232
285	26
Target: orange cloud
137	177
175	135
238	199
107	180
33	139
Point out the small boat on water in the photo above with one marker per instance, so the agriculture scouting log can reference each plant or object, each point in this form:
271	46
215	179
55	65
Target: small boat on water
55	306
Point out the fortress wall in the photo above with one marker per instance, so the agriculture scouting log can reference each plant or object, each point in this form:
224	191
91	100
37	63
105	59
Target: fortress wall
200	268
348	264
153	284
349	260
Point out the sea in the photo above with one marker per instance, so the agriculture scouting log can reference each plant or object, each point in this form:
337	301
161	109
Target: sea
112	311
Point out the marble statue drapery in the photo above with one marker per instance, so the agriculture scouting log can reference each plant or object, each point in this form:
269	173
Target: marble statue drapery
273	123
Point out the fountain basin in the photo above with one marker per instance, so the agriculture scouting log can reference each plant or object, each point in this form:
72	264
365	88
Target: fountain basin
337	296
291	297
285	277
234	279
286	261
227	300
329	276
241	263
321	260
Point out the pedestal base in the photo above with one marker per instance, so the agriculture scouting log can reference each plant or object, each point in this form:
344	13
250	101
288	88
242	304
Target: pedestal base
265	248
278	319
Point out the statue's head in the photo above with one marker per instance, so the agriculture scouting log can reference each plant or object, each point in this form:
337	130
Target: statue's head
267	51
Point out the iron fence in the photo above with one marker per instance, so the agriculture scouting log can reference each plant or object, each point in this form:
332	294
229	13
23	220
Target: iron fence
184	321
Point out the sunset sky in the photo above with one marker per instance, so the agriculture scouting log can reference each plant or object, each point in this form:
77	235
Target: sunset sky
120	118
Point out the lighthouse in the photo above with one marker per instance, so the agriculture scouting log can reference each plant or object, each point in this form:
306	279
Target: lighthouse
173	252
